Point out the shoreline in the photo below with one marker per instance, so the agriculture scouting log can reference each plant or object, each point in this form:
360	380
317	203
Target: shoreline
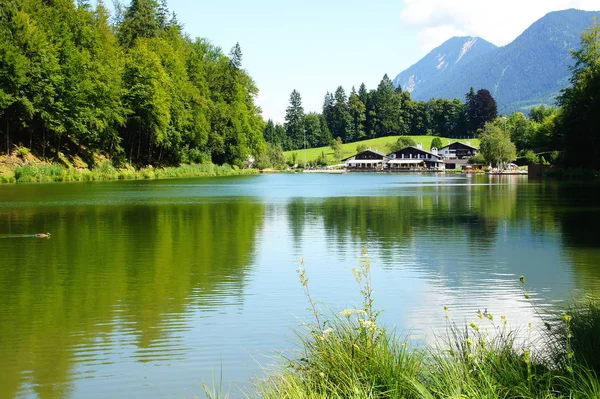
49	173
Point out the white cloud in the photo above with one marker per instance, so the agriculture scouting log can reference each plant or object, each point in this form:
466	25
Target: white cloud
499	22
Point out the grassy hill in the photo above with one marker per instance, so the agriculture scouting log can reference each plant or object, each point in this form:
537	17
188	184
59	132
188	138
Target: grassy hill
380	144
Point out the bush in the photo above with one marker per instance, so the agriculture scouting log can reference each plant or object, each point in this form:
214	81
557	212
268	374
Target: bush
477	159
529	158
322	159
401	143
22	151
436	143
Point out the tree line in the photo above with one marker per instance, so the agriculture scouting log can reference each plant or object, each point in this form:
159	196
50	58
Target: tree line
385	111
132	86
566	134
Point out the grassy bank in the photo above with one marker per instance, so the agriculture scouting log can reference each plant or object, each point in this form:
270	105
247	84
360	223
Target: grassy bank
351	356
106	171
380	143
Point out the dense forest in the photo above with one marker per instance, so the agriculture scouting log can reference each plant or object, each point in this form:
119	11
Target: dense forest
385	111
132	86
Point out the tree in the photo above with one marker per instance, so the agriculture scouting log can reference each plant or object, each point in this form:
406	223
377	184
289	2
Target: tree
294	121
496	146
317	134
236	56
357	113
521	130
386	108
402	143
341	119
141	19
538	114
481	108
338	150
580	119
436	143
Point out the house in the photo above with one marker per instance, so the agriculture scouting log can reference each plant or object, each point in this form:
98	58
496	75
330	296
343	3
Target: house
457	154
458	150
411	158
367	159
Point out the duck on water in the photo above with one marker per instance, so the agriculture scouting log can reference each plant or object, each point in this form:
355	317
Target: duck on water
43	235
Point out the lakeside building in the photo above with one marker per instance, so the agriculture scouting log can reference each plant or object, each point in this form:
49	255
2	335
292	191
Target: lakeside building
411	157
457	154
414	158
367	159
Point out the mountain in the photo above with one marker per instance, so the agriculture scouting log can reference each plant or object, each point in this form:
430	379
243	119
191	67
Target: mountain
450	57
529	71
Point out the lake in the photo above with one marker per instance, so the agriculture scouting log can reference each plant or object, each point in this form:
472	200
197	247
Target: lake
148	288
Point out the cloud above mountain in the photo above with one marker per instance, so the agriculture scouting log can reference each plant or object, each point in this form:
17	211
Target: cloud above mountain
496	21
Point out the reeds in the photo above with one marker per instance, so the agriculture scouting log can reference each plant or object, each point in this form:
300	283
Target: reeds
349	355
106	171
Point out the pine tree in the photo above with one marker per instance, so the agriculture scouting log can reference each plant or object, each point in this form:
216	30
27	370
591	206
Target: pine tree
357	112
294	121
341	119
481	108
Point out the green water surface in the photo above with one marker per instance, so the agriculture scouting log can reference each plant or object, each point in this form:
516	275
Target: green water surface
148	288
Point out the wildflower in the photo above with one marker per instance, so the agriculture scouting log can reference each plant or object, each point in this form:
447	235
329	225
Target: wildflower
490	316
349	312
445	308
327	332
526	355
322	374
480	315
522	279
474	326
566	318
366	323
404	345
470	341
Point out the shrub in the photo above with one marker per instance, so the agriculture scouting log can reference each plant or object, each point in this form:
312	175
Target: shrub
401	143
22	151
436	143
322	159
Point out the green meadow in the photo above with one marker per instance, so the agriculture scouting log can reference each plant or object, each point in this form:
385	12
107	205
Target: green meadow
381	144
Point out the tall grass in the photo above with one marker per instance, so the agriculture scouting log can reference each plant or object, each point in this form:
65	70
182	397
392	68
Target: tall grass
350	355
106	171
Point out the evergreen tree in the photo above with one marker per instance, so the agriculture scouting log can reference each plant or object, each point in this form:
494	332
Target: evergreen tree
357	111
481	108
341	119
294	121
236	56
141	19
387	116
328	113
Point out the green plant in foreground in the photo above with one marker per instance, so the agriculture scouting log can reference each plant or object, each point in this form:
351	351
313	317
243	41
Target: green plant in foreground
348	355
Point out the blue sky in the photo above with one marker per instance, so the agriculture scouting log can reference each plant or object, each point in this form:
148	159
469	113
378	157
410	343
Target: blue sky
315	46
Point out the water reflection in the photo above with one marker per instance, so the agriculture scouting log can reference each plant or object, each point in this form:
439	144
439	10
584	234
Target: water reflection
472	237
145	286
112	277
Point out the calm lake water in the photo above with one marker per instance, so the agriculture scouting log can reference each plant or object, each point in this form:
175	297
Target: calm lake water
148	288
